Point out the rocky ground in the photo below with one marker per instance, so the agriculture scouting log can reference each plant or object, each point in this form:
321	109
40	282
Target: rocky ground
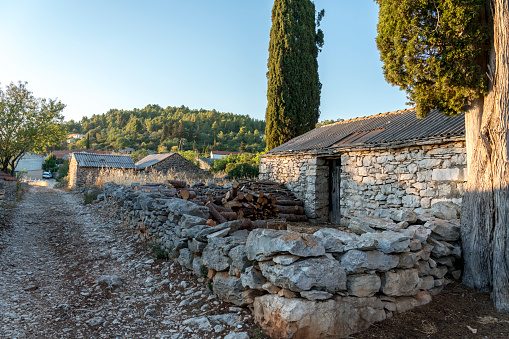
69	272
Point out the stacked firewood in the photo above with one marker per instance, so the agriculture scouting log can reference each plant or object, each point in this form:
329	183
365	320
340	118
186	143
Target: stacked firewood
256	203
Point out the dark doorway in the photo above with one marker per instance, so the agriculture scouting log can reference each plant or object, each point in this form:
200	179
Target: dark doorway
334	190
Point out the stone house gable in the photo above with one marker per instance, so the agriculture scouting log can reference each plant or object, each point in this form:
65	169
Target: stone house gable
167	162
361	166
85	167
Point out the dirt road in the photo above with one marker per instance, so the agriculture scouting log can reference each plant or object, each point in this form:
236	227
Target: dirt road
68	272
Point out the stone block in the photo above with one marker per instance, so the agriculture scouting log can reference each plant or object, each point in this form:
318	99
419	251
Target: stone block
448	174
400	283
300	318
230	289
411	201
363	285
445	210
319	273
263	243
389	241
355	261
444	230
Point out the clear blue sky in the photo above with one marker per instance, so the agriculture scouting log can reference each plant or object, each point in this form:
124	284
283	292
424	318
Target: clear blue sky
97	55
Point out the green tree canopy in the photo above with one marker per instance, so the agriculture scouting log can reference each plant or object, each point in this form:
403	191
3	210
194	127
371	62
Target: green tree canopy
27	124
427	48
293	92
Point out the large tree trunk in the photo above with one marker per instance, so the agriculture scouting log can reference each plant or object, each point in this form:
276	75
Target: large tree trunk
500	157
485	210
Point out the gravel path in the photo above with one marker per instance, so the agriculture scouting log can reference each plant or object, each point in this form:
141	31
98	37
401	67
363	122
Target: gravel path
67	271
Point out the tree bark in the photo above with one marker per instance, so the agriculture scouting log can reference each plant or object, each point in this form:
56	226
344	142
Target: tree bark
485	207
500	157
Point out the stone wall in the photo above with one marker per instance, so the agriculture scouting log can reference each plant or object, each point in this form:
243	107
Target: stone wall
329	284
7	190
82	176
305	175
413	177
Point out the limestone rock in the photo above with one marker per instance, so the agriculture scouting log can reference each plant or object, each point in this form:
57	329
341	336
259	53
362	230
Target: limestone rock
363	285
252	278
263	243
361	225
316	295
285	259
445	210
332	318
444	229
215	255
443	249
230	289
181	207
397	215
400	283
188	221
334	240
319	273
185	258
389	241
239	258
356	261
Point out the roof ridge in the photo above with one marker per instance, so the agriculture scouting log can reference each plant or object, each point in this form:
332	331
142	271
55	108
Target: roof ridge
369	117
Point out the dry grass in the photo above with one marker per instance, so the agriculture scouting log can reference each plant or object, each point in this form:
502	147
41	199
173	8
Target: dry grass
428	328
38	183
122	177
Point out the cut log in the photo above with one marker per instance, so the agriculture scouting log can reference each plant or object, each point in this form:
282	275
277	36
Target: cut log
216	214
187	194
293	217
229	215
232	204
246	224
290	202
290	209
259	224
211	222
177	183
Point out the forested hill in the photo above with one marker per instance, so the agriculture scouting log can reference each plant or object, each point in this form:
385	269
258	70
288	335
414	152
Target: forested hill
165	129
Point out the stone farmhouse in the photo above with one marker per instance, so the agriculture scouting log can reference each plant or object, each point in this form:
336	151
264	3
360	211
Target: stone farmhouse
85	167
167	162
361	166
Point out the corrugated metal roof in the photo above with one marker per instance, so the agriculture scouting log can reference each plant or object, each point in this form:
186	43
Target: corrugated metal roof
103	160
152	159
393	127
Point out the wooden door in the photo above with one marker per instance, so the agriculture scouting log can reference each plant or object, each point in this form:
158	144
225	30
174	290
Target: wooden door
334	190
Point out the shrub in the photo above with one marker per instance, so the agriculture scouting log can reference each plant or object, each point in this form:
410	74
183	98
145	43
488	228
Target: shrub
244	171
91	196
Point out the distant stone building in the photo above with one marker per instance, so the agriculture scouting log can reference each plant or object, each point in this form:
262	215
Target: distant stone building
66	154
85	167
359	166
167	162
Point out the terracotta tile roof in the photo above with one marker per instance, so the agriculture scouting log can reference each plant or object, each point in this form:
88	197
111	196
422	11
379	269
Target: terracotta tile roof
381	129
7	177
103	160
152	159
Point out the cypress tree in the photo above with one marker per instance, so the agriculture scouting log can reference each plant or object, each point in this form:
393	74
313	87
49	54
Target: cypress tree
293	93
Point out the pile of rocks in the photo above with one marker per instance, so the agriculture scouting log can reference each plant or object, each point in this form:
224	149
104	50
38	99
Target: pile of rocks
332	283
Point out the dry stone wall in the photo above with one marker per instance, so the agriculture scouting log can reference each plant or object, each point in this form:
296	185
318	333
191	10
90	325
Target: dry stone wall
307	176
328	284
413	177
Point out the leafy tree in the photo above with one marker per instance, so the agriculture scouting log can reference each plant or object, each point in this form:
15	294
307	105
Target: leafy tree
293	91
243	170
452	56
27	124
50	163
